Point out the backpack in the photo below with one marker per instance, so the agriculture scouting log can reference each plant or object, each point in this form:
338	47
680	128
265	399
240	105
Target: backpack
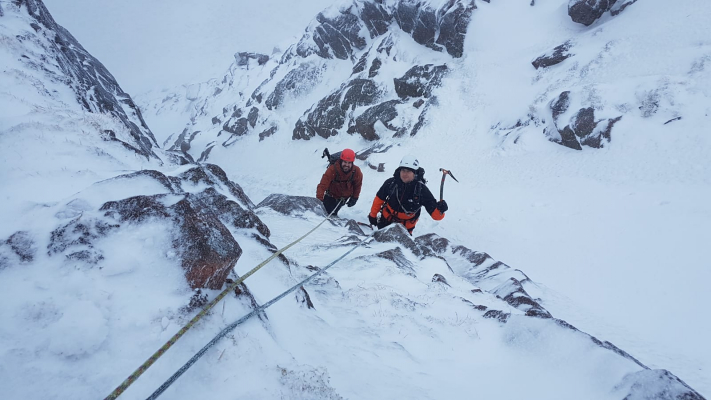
332	159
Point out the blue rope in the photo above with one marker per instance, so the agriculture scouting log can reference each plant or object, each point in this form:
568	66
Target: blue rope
233	325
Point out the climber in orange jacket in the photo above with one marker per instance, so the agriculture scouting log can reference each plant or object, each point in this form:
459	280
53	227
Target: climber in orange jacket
402	196
340	183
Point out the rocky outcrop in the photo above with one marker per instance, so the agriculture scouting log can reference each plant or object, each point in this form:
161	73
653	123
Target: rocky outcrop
329	115
442	28
588	11
332	113
243	58
582	128
364	124
292	205
335	36
76	239
201	207
419	81
206	248
63	59
18	249
657	384
558	55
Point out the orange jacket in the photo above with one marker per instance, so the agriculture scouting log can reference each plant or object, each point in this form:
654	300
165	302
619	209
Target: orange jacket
400	196
339	184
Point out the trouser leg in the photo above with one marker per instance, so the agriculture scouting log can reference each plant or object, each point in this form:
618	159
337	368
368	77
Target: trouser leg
330	203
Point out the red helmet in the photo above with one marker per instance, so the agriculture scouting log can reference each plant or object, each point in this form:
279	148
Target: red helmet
348	155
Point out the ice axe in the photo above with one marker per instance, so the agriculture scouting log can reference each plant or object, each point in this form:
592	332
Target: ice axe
445	172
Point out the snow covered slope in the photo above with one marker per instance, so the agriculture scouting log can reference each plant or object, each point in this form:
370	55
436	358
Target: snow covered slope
108	247
626	99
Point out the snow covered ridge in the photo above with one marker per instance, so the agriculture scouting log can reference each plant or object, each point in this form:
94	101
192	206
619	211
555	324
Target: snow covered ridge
407	301
41	45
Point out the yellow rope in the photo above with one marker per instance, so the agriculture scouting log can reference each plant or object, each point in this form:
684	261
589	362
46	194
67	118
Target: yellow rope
138	372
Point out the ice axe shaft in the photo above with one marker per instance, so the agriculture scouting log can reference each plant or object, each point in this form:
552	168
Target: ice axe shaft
445	172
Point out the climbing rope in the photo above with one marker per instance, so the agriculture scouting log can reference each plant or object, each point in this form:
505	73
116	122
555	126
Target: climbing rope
233	325
138	372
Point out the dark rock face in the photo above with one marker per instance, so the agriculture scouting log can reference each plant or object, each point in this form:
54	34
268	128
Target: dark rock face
398	258
201	236
293	205
364	124
559	54
584	122
242	58
208	251
374	67
95	88
267	132
477	258
422	22
560	105
330	112
396	233
567	139
598	141
337	37
252	117
419	81
376	18
453	27
583	128
588	11
434	242
439	278
513	293
236	128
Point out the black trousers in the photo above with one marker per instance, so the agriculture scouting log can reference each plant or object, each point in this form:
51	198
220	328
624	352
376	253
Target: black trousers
330	203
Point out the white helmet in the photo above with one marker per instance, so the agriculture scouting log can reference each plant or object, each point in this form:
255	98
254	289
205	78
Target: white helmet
410	162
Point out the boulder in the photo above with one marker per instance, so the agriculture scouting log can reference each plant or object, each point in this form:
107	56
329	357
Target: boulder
588	11
559	54
207	250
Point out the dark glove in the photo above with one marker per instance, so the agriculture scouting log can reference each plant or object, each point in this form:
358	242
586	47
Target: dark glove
352	201
442	206
373	220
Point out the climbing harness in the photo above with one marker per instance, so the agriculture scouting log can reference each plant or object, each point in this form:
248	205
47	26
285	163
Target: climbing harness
138	372
233	325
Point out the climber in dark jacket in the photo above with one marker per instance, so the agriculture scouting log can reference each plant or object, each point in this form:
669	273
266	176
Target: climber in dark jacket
402	196
340	184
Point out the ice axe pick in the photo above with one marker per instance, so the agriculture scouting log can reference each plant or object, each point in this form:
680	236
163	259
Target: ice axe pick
445	172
